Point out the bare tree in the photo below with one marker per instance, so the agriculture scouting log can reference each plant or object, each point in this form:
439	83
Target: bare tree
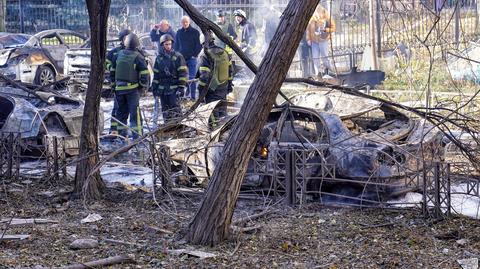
211	223
91	186
3	15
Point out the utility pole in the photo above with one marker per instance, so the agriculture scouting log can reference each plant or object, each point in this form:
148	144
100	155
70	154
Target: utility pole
3	15
373	34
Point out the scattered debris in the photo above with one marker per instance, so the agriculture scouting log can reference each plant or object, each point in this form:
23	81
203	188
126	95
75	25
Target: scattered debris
16	222
471	263
157	230
120	259
84	244
196	253
93	217
14	237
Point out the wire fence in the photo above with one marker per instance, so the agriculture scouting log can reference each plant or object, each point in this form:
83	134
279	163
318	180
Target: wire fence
395	21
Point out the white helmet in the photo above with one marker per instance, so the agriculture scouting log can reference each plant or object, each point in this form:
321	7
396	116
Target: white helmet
240	13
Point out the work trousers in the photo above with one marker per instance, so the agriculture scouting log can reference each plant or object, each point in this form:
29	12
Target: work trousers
320	56
170	107
129	106
113	118
192	71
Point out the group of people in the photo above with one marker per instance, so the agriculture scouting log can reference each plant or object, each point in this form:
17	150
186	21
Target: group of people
180	64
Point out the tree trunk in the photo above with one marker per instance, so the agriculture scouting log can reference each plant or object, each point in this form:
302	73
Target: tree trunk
3	15
91	186
211	223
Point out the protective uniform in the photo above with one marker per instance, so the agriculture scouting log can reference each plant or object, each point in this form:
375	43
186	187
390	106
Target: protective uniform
130	73
227	28
169	81
108	65
215	74
249	34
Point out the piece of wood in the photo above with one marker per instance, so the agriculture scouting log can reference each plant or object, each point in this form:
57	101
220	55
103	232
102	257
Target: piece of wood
13	237
250	229
251	217
120	259
17	222
158	230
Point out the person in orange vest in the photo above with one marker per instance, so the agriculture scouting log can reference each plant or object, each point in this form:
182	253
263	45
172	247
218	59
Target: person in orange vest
319	31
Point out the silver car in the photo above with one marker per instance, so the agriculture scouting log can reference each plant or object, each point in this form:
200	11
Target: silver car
36	59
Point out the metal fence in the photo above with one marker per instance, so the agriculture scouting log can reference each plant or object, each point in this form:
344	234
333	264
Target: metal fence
408	21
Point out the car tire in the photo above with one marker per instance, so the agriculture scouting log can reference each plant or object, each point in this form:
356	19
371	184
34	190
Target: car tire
44	75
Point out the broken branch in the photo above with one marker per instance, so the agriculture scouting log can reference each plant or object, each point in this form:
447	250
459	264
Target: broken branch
120	259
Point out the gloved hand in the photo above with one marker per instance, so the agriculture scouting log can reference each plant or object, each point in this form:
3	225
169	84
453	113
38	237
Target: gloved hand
180	92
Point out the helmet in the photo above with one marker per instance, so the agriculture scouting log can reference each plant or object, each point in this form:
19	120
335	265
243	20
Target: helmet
221	13
131	41
166	37
240	12
122	34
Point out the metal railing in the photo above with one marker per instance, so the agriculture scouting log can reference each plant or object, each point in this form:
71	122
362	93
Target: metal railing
408	21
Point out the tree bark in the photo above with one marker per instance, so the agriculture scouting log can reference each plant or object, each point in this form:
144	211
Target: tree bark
3	15
211	223
91	186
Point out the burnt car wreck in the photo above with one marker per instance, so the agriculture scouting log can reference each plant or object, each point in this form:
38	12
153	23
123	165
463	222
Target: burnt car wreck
36	59
36	116
342	144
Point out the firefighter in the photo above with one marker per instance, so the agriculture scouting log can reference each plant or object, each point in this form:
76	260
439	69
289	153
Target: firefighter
248	37
130	73
108	65
215	74
169	79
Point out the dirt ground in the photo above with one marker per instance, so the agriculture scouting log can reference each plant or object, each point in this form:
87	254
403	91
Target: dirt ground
312	236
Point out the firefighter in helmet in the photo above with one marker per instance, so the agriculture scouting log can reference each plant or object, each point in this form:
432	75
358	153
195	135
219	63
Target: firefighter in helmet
169	79
130	73
215	74
108	65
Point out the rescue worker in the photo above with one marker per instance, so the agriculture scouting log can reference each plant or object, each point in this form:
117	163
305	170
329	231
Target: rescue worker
215	74
248	38
169	79
130	73
108	65
226	28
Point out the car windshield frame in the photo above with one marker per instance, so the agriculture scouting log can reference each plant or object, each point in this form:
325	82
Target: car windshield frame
13	40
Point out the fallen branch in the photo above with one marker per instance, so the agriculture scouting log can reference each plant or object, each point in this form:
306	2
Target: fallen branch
250	229
16	222
13	237
120	259
252	217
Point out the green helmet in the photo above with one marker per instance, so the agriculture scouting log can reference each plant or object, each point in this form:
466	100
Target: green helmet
131	41
122	34
165	38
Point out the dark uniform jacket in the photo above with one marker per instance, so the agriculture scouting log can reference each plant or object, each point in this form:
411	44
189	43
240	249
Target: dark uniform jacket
169	73
249	37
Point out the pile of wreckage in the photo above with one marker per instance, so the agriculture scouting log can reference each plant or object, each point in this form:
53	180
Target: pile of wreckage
337	136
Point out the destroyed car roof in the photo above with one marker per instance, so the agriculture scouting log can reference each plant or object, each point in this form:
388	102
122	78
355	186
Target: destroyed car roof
344	105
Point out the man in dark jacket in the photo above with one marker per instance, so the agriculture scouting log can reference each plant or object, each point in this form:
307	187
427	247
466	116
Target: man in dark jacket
159	30
215	74
130	73
169	79
249	33
187	43
108	65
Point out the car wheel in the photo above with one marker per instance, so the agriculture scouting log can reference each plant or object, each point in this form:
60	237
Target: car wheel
45	75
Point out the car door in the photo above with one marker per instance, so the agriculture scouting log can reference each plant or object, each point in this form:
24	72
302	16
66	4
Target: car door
54	47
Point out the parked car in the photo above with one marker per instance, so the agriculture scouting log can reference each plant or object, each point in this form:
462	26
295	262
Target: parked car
34	117
77	62
36	59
